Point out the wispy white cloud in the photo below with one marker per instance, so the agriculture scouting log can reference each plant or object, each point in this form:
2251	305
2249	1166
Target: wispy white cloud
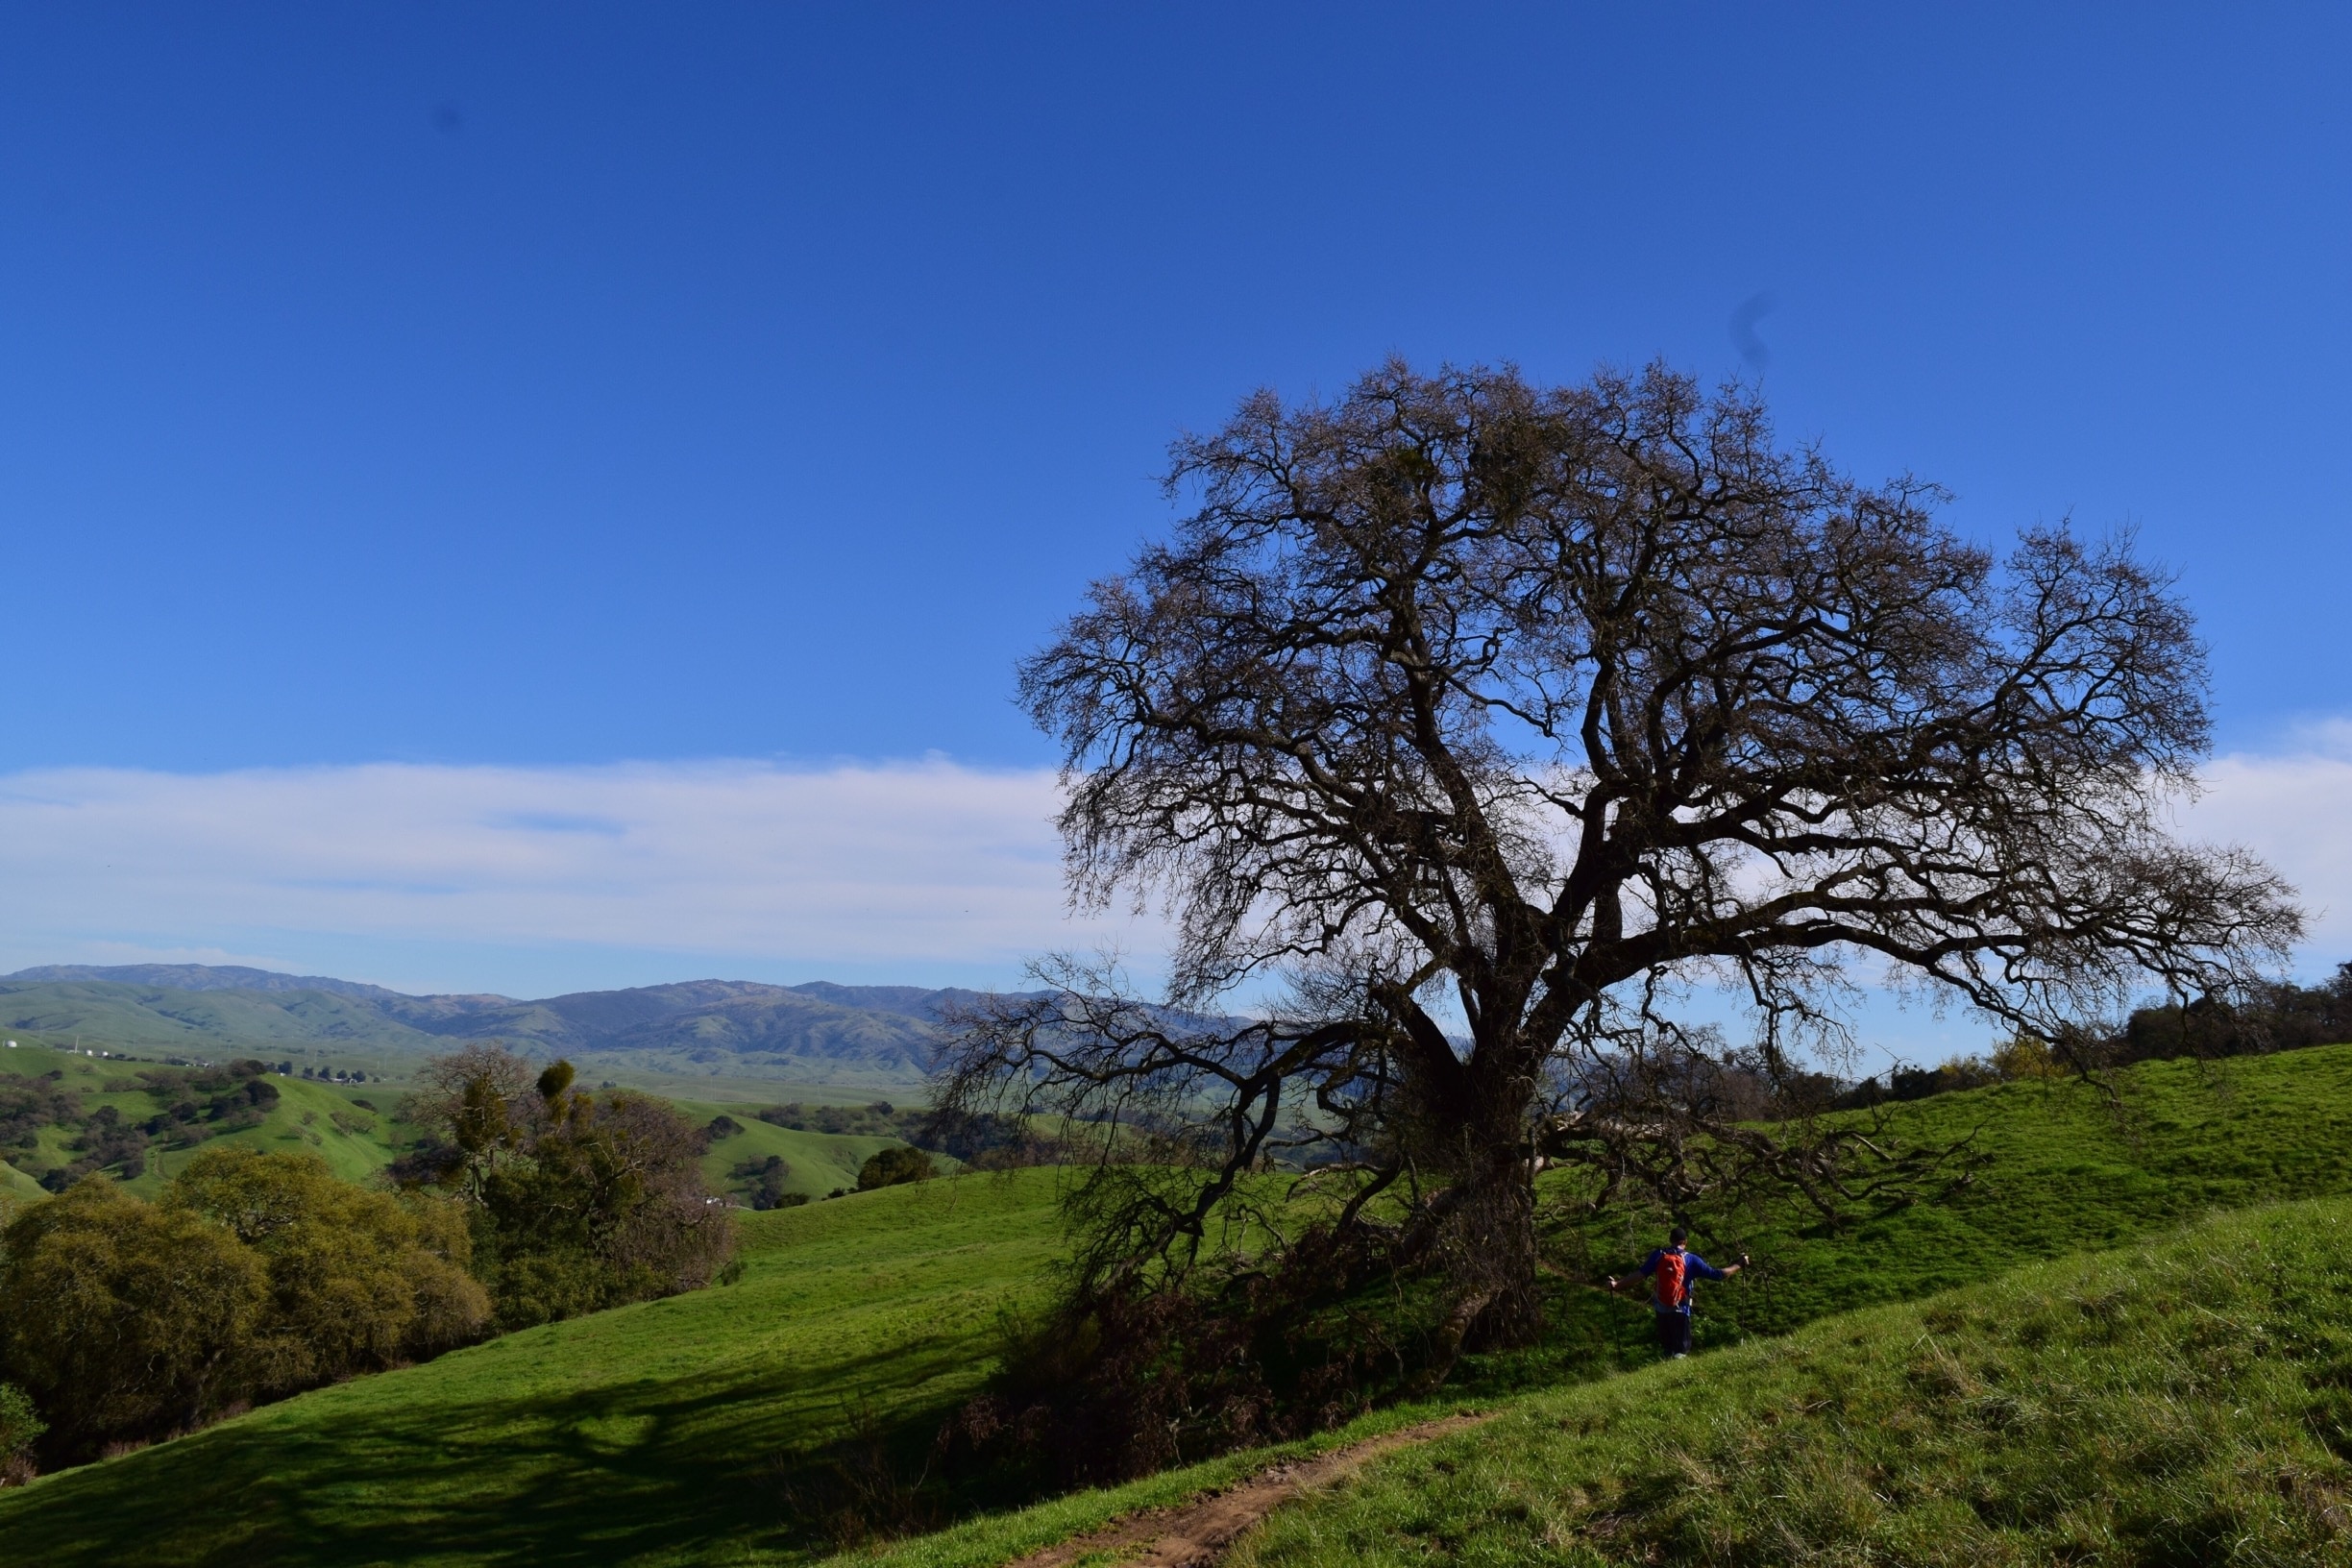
922	865
533	879
2294	809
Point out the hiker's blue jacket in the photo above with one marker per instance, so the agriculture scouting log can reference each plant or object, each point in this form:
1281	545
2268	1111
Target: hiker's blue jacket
1694	1267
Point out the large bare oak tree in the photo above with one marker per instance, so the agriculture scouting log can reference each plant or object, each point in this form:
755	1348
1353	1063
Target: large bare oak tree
1490	716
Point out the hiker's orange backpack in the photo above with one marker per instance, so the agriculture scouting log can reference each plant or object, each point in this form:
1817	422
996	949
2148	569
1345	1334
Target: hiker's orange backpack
1673	1281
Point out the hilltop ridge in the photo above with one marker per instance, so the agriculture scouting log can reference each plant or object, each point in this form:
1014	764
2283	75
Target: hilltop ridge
815	1031
194	977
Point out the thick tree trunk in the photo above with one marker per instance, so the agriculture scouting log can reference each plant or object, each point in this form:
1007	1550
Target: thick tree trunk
1485	1250
1486	1247
1492	1256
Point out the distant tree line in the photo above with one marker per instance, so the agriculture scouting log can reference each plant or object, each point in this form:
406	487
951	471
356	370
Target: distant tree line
2271	1016
254	1276
879	1120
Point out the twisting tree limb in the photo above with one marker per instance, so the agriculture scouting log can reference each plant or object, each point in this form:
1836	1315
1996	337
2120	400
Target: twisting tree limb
1487	717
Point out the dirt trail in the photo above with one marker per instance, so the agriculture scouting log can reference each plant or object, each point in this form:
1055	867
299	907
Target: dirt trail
1196	1534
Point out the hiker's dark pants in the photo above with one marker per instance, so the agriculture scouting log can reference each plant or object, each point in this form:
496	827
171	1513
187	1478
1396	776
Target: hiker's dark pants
1674	1334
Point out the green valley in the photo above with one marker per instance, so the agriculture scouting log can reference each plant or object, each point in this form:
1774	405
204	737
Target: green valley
352	1126
788	1416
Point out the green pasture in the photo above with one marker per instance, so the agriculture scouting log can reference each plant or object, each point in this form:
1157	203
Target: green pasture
685	1430
723	1426
2187	1401
815	1162
352	1127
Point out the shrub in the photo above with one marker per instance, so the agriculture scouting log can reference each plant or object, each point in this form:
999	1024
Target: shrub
895	1167
2026	1058
358	1281
125	1321
20	1425
765	1178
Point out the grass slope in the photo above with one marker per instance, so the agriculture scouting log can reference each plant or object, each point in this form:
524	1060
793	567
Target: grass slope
2065	1170
2187	1402
695	1431
357	1140
15	1187
815	1162
353	1139
675	1431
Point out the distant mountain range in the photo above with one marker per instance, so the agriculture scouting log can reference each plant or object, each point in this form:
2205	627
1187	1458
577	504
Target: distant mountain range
816	1033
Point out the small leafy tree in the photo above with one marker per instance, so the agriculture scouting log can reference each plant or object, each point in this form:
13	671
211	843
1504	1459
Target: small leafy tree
577	1201
20	1427
895	1166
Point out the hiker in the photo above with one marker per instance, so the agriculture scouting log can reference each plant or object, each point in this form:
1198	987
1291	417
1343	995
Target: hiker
1671	1270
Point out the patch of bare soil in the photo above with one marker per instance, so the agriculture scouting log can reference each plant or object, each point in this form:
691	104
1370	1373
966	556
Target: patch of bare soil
1196	1534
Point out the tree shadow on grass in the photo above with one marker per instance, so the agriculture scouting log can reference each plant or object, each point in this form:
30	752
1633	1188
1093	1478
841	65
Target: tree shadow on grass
648	1473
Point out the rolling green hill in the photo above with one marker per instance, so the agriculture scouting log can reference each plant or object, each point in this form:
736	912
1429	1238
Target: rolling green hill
2188	1402
819	1162
352	1127
672	1432
729	1425
2063	1169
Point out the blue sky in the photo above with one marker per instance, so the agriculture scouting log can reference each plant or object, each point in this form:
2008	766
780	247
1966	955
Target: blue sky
553	387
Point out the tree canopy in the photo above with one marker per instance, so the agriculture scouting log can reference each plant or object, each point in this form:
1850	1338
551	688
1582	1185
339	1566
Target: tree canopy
1489	719
255	1276
575	1201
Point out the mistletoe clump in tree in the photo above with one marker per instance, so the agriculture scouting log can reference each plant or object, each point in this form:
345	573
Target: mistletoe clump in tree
1492	717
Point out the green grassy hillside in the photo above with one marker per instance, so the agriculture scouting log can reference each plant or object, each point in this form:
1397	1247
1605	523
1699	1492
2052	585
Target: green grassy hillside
2185	1402
675	1431
349	1127
707	1429
817	1163
2064	1171
15	1187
